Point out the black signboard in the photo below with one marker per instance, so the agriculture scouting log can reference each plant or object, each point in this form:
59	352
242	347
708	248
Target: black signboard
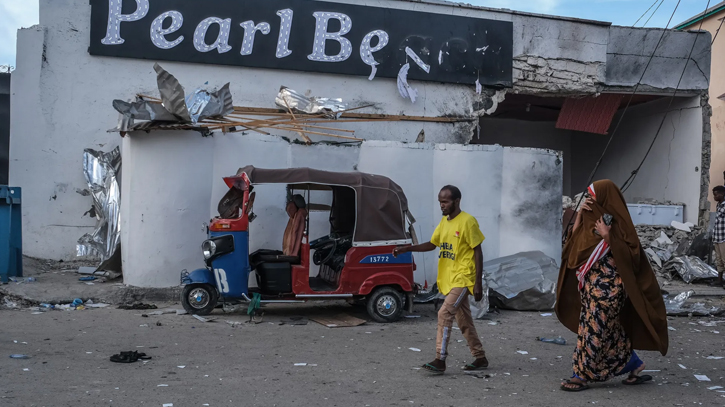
305	35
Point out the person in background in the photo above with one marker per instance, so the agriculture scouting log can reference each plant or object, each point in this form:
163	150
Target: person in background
460	274
718	235
608	294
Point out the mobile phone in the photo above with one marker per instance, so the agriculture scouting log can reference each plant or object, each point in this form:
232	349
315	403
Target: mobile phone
608	219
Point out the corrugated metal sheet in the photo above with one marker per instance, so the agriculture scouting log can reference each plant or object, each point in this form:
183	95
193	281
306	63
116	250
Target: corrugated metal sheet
590	114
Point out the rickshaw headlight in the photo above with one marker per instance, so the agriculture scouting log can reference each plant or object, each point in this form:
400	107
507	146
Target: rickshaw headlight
208	248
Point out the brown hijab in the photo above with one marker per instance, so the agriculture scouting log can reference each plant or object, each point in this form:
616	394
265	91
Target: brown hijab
643	317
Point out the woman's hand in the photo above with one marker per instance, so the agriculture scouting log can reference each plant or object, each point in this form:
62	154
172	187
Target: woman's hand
602	229
586	206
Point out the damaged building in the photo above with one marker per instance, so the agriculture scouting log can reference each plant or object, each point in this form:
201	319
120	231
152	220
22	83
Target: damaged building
515	108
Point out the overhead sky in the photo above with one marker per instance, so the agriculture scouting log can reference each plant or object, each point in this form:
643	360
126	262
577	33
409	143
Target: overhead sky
15	14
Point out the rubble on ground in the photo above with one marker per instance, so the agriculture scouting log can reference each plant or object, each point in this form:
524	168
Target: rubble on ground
674	252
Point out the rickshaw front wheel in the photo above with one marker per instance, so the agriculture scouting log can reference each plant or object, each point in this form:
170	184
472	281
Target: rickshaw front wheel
385	304
199	299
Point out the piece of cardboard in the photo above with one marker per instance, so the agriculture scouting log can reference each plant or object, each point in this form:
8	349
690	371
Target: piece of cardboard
339	321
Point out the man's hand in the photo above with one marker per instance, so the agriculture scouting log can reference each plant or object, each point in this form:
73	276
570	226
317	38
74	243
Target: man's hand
478	291
399	250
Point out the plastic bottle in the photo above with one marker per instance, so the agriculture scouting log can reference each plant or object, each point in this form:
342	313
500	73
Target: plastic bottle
559	340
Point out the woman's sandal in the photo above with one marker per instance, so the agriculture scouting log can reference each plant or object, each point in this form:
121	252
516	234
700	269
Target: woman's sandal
579	386
638	380
428	368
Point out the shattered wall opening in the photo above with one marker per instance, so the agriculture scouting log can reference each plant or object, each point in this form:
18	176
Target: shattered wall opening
671	173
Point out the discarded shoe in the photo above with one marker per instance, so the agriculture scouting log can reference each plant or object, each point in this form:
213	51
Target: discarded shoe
129	357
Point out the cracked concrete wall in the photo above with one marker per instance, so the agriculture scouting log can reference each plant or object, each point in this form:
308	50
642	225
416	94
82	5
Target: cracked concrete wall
674	168
558	57
630	50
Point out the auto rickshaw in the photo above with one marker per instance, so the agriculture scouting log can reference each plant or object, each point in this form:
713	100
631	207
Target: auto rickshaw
368	217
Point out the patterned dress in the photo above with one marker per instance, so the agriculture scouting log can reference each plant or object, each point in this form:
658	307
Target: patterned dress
603	348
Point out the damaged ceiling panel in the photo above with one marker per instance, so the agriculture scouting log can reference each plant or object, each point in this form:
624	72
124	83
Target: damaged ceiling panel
590	114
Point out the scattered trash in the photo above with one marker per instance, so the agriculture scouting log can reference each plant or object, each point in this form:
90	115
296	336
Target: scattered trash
298	103
677	306
682	366
99	305
162	385
294	321
202	319
172	405
87	270
715	388
129	357
685	227
715	357
691	269
137	306
144	326
548	314
234	323
339	321
77	302
181	312
523	352
702	378
671	328
87	278
181	367
300	364
558	340
493	323
412	316
26	370
522	282
101	173
414	349
19	356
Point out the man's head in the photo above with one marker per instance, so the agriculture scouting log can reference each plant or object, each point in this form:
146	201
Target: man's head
449	199
719	193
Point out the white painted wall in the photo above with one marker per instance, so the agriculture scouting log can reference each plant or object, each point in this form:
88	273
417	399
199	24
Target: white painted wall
531	134
672	169
163	215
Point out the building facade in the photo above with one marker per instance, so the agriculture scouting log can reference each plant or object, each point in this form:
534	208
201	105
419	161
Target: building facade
552	91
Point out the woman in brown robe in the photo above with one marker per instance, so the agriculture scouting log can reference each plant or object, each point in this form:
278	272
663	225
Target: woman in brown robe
608	293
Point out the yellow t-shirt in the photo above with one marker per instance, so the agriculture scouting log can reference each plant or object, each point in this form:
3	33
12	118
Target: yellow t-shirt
456	263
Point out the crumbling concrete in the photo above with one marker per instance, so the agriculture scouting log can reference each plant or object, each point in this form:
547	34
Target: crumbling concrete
706	159
542	76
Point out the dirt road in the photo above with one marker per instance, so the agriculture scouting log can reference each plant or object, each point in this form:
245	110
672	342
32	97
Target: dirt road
218	364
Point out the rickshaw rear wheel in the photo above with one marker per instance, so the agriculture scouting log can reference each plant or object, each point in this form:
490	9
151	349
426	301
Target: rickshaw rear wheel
199	299
385	304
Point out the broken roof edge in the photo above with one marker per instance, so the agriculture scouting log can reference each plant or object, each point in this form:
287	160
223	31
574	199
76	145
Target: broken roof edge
448	3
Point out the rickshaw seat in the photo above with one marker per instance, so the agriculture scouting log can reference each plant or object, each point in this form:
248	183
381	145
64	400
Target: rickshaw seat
271	256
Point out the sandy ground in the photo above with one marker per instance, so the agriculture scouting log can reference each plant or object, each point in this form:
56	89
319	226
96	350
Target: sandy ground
218	364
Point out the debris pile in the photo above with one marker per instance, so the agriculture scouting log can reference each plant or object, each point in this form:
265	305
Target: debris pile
207	111
678	250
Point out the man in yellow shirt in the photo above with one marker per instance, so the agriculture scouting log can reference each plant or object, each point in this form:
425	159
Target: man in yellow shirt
460	274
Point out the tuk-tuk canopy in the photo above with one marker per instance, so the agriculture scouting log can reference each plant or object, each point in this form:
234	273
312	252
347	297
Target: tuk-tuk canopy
381	207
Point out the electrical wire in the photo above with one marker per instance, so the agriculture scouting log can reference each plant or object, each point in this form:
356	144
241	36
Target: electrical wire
624	112
628	183
653	14
645	13
722	20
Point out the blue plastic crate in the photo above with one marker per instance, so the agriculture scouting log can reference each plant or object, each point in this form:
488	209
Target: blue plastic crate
11	237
